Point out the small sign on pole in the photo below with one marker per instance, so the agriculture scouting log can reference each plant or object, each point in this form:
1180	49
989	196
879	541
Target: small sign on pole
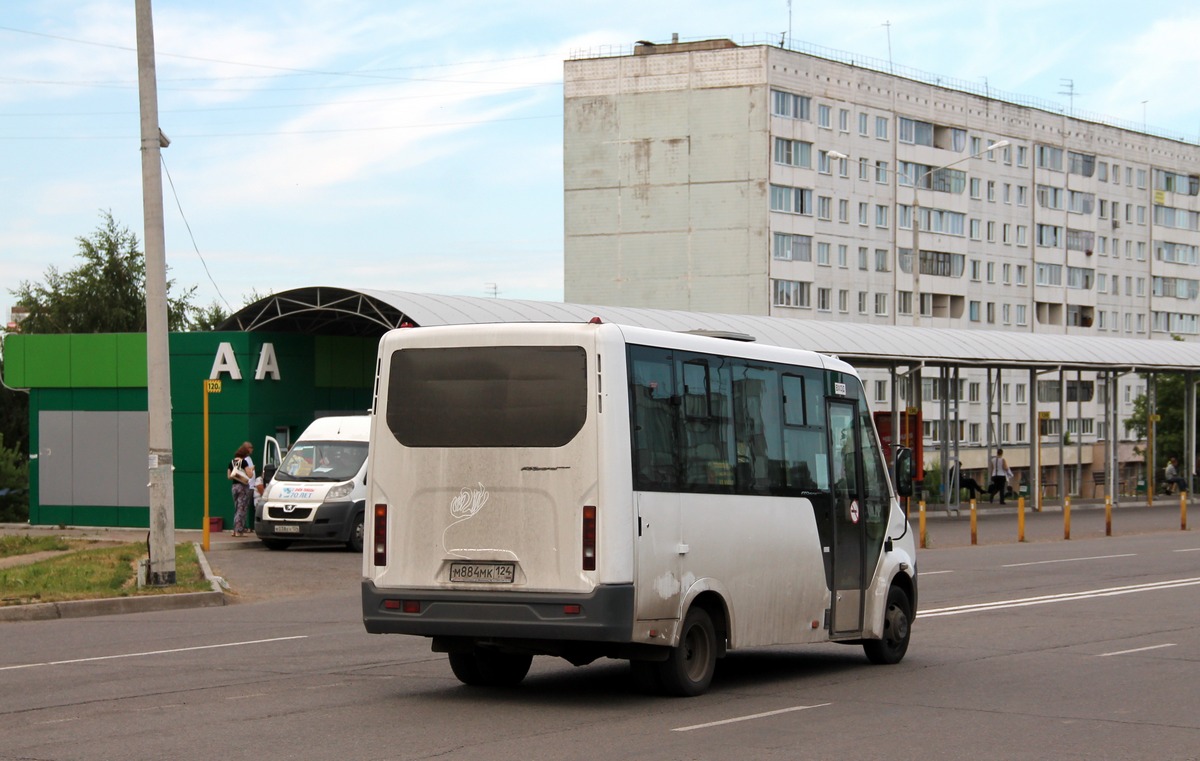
211	386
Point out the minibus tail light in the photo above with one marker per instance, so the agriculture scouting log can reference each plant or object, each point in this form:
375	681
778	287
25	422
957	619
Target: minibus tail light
379	534
589	538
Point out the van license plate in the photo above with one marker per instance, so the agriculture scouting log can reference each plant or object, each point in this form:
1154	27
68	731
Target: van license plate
486	573
287	529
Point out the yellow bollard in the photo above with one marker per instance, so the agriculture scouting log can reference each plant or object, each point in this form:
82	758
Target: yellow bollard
921	521
1067	518
1108	515
1020	519
974	526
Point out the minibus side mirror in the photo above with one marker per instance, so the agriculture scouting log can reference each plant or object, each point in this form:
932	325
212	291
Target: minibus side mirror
904	472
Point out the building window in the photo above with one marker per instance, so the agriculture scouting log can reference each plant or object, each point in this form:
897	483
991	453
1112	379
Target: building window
843	120
792	248
881	260
843	211
973	311
793	153
1021	314
881	216
976	185
1049	236
881	127
862	124
863	212
791	293
843	255
1021	274
881	304
881	172
823	254
914	132
1048	274
1048	157
844	302
824	300
1081	163
862	302
903	302
824	208
1022	155
790	106
862	258
823	116
791	200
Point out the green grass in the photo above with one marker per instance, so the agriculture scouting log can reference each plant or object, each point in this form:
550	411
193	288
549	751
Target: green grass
91	574
12	545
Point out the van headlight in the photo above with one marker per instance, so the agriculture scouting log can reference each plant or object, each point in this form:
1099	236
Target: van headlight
340	491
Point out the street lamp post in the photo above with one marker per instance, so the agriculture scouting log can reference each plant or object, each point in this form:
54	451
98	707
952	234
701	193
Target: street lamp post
916	226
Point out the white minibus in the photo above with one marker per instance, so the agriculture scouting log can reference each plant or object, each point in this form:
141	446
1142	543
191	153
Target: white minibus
600	490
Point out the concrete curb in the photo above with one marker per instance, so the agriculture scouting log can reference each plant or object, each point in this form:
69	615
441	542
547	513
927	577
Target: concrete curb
117	605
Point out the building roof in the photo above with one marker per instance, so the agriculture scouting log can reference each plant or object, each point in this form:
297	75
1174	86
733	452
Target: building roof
367	312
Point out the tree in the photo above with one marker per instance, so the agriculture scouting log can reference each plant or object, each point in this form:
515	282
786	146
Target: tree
105	294
14	484
1169	393
207	318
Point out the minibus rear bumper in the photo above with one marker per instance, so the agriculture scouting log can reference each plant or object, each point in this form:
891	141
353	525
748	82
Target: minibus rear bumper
603	615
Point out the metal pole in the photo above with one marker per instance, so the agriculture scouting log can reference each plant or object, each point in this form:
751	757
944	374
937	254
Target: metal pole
158	369
916	257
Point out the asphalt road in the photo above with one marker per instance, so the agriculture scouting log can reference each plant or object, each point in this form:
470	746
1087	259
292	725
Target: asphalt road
1047	649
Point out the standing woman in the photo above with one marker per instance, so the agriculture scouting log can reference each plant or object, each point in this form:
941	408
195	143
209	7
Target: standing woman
241	473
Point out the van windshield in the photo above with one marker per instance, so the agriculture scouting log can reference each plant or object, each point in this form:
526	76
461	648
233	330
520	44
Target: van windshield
323	461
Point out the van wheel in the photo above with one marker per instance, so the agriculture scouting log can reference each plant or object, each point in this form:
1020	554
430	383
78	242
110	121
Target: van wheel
276	544
490	668
355	544
689	668
897	628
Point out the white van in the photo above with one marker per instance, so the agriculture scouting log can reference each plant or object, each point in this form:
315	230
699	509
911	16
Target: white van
318	492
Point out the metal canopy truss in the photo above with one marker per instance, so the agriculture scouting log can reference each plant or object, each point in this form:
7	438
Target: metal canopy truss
365	312
318	311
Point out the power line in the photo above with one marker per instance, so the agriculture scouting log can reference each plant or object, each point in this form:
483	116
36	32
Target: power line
186	224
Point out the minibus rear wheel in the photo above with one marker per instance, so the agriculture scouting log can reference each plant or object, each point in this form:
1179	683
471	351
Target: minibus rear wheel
688	670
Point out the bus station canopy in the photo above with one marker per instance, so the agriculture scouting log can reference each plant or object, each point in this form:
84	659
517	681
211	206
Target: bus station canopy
365	312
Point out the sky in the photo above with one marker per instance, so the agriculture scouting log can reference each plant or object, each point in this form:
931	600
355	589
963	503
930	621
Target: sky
414	145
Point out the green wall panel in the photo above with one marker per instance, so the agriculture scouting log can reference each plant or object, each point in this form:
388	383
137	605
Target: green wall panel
14	362
92	515
131	360
245	410
94	360
48	361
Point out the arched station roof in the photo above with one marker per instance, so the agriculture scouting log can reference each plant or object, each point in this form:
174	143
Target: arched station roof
364	312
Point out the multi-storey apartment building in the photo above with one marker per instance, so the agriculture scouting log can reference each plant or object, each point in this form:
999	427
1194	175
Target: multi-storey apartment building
755	179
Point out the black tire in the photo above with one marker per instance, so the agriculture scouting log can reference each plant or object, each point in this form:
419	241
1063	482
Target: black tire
489	668
897	628
276	544
355	543
688	670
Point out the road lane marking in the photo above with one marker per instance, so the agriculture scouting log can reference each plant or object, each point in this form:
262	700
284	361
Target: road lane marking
1064	597
150	652
1070	560
748	718
1189	549
934	573
1136	650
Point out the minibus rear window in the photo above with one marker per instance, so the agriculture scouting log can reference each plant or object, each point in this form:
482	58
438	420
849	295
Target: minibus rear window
489	396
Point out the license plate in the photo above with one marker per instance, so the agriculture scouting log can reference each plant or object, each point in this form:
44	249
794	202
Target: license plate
485	573
287	529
